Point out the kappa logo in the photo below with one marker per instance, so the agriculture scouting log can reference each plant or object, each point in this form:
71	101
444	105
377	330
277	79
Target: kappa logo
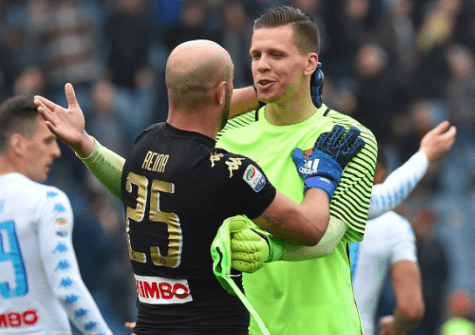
254	178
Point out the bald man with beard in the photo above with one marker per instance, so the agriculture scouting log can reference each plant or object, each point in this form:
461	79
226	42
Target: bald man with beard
177	189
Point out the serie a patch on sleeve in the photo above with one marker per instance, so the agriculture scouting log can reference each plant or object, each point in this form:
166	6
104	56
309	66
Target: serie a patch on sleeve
254	178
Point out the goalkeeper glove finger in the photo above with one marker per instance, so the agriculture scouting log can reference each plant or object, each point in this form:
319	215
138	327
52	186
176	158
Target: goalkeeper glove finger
342	148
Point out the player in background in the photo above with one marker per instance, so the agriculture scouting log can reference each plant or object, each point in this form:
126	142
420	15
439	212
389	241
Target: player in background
193	188
41	289
389	246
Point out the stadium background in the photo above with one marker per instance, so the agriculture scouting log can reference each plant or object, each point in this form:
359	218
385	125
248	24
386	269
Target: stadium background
398	66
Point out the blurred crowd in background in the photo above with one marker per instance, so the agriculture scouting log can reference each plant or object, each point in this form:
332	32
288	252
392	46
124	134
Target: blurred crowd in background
398	66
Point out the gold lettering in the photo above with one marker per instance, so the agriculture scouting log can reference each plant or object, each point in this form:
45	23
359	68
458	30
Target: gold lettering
149	165
157	162
163	163
234	164
147	159
214	157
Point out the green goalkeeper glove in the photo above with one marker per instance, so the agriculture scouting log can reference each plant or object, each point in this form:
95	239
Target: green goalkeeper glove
221	254
252	247
221	249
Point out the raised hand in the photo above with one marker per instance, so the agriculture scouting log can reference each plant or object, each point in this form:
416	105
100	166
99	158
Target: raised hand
67	124
438	141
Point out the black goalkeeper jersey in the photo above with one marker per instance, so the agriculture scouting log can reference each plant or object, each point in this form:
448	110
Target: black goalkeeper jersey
177	189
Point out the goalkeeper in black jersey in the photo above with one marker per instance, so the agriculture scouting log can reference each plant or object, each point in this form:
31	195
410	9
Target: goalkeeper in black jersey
177	189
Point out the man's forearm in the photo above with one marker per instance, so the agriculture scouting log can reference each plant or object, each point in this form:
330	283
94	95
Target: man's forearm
243	100
397	186
86	147
333	235
107	167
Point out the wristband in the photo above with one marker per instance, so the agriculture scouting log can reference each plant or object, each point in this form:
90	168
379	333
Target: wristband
322	183
276	245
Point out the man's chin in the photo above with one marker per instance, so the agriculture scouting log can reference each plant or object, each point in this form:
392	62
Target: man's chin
268	97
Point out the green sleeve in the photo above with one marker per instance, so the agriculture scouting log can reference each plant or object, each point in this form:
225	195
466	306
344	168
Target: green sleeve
107	167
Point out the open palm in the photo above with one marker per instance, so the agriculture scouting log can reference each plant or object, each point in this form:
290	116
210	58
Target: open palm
67	124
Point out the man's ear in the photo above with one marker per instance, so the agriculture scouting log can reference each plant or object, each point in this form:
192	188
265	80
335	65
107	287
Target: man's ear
311	65
221	93
17	143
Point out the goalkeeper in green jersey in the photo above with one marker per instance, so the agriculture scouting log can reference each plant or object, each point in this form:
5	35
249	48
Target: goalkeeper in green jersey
313	295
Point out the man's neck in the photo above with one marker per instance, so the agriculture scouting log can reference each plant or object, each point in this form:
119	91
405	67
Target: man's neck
285	113
195	121
7	166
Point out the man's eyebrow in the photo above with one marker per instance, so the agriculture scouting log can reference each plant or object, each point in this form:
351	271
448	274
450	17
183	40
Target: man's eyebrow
272	50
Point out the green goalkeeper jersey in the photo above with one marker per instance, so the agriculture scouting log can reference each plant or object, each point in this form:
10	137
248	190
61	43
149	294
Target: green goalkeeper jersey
313	296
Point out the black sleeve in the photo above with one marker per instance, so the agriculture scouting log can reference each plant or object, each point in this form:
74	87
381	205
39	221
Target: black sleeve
247	185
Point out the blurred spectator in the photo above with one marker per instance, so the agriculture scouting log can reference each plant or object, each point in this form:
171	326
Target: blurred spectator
409	128
461	92
433	263
380	96
100	235
437	30
456	209
192	25
128	34
460	312
340	95
318	10
395	32
104	122
349	25
166	15
30	82
70	46
236	39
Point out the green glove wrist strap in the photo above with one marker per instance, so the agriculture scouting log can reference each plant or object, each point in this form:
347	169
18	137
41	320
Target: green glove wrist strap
276	248
276	245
